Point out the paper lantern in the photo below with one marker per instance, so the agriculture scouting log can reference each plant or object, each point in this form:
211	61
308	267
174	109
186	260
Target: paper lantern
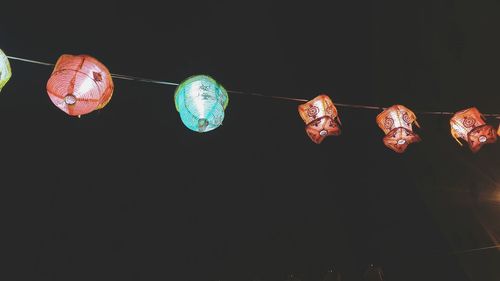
201	102
469	125
321	118
396	122
80	84
5	71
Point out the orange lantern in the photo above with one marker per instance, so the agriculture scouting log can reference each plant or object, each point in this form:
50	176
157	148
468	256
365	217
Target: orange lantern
396	122
80	84
321	118
469	125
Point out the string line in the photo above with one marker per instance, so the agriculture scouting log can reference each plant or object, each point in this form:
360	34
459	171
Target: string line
477	249
153	81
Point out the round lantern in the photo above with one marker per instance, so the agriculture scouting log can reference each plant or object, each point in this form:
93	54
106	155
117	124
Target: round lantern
396	122
321	118
80	84
5	71
201	102
469	125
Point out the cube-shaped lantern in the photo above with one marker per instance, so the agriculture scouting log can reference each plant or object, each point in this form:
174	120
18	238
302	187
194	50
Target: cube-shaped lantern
396	122
80	84
469	125
321	118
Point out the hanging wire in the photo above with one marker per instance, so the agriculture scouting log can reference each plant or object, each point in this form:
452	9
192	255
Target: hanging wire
153	81
265	96
477	249
146	80
30	61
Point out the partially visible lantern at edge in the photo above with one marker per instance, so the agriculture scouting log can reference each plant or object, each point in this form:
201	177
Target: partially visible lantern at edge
80	84
321	118
396	122
469	125
5	71
201	102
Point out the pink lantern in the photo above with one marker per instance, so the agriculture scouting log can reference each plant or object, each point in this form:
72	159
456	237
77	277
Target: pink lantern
80	84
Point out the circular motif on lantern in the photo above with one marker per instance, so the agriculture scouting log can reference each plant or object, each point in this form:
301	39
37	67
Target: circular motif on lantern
482	138
201	102
5	70
406	118
79	84
388	122
469	122
313	111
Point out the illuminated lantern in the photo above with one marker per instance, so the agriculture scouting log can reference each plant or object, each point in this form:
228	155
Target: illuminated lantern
321	118
201	102
396	122
469	125
80	84
5	71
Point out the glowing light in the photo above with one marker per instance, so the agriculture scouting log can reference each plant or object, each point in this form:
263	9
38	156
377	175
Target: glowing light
70	99
396	122
469	125
321	118
79	85
201	102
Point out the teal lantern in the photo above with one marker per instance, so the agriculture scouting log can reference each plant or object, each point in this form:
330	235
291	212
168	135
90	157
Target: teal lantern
201	102
5	71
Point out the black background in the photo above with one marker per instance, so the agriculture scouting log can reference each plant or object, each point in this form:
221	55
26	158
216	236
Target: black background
129	193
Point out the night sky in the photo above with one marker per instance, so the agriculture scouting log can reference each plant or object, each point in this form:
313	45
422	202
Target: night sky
129	193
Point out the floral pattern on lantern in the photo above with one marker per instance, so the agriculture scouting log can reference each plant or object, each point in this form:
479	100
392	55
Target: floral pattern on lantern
80	84
469	125
201	102
5	70
396	122
321	118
